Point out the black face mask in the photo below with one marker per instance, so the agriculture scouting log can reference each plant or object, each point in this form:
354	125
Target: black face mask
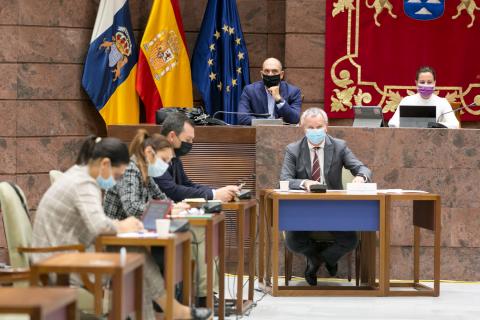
184	149
271	81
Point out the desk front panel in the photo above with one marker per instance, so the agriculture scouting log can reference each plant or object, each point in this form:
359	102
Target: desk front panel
329	215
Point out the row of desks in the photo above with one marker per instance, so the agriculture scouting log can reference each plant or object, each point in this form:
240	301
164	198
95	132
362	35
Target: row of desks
279	211
127	284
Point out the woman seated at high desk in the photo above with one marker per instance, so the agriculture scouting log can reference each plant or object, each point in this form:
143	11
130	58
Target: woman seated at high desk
150	156
71	212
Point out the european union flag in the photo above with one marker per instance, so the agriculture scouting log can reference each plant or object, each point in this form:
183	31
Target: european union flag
220	59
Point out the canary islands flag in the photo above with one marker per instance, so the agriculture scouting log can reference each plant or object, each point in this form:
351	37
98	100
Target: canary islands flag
164	78
110	66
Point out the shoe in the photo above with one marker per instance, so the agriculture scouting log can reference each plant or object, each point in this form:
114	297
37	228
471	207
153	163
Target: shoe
201	313
201	302
332	270
311	271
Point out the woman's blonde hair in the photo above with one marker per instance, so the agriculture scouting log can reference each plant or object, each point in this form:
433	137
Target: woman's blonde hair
137	148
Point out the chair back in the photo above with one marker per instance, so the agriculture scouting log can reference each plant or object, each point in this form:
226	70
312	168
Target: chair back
54	175
16	221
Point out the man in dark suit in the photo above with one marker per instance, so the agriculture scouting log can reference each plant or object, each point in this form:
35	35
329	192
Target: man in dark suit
319	159
271	95
175	183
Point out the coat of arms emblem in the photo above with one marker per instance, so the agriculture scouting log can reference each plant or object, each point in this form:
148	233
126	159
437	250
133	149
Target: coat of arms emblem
162	52
119	49
424	9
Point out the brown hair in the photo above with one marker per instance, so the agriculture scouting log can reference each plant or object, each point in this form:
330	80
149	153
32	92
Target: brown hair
425	69
137	148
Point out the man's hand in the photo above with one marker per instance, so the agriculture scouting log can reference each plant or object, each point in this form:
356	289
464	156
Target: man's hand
309	183
227	193
179	207
358	179
275	92
131	224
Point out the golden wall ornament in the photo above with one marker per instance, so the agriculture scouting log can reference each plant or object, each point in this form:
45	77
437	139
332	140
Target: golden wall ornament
346	71
379	6
342	99
342	5
469	6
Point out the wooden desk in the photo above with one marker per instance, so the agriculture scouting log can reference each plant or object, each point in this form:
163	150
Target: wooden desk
127	279
246	209
215	246
426	215
39	303
177	256
351	212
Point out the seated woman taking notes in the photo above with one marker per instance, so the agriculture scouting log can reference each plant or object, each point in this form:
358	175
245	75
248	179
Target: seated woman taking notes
71	212
150	156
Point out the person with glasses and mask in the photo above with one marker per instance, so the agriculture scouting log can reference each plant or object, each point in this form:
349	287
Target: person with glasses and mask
180	132
71	212
425	96
150	156
319	158
271	96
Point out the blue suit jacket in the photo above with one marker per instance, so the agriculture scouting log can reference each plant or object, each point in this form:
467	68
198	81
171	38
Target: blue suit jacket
177	186
254	100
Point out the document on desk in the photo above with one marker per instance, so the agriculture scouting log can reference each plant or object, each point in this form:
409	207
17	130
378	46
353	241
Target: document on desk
138	235
290	191
400	191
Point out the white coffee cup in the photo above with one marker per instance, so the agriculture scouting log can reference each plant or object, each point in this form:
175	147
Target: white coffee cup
163	227
284	185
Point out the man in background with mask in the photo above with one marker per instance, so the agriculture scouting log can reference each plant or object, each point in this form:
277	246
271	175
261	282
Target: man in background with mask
175	183
271	95
319	159
180	132
425	81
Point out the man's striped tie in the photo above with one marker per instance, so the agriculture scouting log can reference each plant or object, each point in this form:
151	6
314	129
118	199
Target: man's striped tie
316	171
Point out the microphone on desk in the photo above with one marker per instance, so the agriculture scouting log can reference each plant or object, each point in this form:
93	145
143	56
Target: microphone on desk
245	193
439	125
258	115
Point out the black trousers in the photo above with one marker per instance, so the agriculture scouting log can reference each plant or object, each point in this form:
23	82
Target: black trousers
304	242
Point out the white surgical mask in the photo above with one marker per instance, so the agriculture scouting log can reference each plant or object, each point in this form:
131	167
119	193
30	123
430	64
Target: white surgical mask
158	168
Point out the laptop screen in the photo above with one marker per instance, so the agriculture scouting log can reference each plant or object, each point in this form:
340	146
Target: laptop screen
417	116
156	209
368	116
418	111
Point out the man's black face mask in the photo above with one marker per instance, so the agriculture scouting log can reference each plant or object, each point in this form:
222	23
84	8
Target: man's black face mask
271	81
184	149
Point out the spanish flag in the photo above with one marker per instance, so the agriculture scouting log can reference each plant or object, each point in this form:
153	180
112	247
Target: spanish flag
111	64
164	78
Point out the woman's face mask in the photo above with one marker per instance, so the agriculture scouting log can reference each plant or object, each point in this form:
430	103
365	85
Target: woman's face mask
425	91
158	168
107	183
